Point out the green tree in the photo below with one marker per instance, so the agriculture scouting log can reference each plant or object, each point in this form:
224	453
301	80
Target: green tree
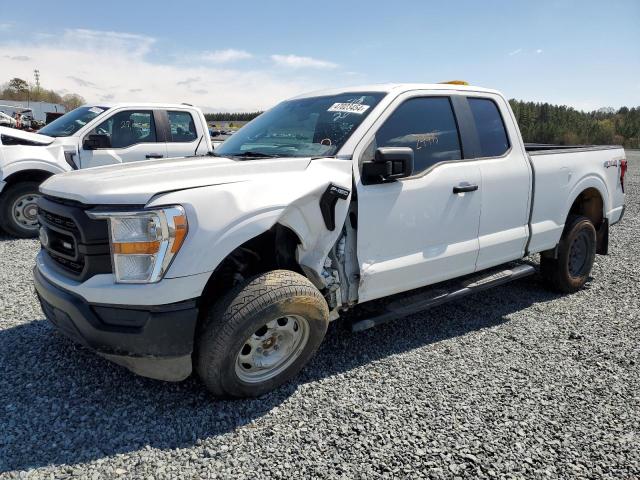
18	85
71	101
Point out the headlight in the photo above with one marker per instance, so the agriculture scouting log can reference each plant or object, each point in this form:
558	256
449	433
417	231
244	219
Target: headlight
143	243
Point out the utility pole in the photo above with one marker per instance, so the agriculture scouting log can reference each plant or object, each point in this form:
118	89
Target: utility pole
36	75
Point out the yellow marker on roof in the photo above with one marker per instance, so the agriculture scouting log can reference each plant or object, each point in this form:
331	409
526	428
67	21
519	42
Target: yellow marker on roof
455	82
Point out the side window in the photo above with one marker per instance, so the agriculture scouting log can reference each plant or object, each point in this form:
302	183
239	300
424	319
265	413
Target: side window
491	131
183	128
128	128
426	125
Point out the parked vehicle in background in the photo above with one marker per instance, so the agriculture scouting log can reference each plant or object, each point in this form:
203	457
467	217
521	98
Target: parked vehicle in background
219	136
7	120
90	136
38	112
372	202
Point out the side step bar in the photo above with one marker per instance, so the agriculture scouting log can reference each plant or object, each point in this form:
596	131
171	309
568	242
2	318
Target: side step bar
409	305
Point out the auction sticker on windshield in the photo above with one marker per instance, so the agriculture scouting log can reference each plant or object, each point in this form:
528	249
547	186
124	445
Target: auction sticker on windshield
348	108
96	110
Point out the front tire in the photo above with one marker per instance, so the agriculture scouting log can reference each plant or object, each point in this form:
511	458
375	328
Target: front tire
261	334
569	271
18	210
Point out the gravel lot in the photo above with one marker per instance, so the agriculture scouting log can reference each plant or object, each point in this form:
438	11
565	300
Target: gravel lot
516	382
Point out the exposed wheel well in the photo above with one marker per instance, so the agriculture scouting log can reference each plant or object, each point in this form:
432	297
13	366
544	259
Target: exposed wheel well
590	204
273	249
28	176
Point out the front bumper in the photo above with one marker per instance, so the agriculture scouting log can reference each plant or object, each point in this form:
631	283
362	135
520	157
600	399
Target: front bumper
154	342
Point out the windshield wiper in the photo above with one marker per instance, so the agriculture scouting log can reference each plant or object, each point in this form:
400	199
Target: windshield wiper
251	154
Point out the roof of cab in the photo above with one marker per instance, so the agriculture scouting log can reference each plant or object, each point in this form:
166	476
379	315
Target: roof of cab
397	88
139	104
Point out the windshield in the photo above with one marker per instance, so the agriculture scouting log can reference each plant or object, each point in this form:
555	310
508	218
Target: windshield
71	122
308	127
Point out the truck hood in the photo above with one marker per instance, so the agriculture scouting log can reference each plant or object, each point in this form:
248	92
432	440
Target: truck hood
136	183
27	137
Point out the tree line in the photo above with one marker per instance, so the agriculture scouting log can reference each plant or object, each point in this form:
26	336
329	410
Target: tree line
231	117
546	123
20	90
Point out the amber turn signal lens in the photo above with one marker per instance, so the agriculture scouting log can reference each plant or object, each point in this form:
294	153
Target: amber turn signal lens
182	228
136	248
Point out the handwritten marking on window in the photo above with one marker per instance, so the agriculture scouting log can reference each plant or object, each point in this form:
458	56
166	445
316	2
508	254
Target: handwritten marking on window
426	140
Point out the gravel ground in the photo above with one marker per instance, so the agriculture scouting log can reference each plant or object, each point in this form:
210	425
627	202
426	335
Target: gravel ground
514	383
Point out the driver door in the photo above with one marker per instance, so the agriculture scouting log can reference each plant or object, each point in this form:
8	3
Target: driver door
132	136
416	231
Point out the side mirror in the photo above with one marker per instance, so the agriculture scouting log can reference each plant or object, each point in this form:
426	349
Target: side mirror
93	142
390	163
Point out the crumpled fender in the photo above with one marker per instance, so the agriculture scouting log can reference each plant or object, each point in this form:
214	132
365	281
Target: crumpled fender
223	217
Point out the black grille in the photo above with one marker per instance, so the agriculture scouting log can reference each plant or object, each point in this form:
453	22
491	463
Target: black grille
77	245
59	221
75	267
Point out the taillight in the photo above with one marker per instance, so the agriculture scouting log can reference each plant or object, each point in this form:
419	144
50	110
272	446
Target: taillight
623	171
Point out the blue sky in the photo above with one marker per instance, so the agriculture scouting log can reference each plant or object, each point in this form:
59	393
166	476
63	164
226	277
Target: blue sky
243	55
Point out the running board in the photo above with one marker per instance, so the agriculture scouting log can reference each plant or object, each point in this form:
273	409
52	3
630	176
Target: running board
421	301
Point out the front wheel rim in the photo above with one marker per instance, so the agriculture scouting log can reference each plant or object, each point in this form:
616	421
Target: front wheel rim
25	211
272	348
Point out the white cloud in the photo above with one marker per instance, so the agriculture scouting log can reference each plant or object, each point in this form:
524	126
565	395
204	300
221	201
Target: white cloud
515	52
115	66
225	56
538	51
5	27
294	61
19	58
104	42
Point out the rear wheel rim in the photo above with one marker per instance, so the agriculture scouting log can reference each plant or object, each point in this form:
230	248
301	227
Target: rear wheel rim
24	211
579	255
272	348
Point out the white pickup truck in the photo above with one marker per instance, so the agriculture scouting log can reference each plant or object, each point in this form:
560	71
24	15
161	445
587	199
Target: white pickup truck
366	204
90	136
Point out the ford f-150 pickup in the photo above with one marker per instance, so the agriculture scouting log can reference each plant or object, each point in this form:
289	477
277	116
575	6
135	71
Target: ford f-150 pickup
366	204
90	136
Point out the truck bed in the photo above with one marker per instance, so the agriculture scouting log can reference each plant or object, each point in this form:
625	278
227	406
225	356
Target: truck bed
560	174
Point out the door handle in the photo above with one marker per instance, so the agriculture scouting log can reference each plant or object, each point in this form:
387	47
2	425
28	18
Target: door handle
465	188
154	155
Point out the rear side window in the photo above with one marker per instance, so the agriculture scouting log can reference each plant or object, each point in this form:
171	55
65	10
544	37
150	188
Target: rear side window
183	128
491	131
427	126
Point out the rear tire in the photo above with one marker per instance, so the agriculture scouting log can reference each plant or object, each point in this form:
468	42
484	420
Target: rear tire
261	334
575	255
18	209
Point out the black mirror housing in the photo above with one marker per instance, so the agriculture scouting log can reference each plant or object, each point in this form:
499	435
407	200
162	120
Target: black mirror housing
94	142
389	164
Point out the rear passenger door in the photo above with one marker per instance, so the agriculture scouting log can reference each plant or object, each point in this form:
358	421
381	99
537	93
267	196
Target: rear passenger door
506	181
183	136
417	231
